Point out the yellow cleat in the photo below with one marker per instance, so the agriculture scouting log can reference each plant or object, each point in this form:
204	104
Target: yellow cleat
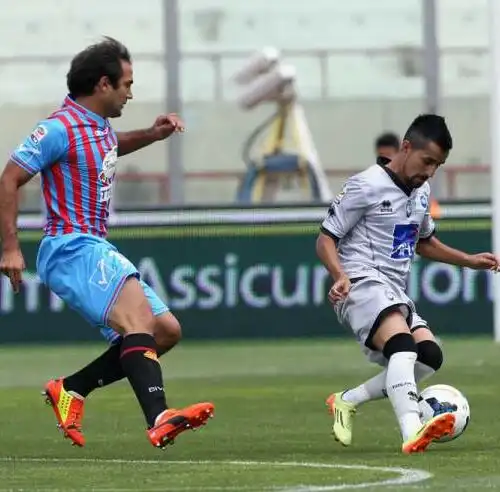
434	429
343	414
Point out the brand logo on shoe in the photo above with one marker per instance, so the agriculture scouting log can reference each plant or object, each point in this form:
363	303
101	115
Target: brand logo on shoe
151	355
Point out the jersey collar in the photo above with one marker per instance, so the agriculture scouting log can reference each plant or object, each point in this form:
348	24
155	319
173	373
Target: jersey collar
69	102
382	162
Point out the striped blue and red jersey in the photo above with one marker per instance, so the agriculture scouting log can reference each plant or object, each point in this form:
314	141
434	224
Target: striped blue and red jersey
75	151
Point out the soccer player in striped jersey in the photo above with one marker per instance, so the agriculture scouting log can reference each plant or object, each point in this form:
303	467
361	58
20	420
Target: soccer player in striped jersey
76	150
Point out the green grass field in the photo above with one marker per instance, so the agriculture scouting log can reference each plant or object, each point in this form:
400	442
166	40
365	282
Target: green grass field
271	430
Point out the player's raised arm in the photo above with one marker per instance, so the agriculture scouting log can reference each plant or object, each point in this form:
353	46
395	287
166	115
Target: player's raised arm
162	128
433	249
39	151
429	246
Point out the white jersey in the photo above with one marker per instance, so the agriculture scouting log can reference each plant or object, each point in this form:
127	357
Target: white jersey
378	221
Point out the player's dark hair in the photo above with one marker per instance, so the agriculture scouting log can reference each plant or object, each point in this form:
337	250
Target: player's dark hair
94	62
387	139
429	128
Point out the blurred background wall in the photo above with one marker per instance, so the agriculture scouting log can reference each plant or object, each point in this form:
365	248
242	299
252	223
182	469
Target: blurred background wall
360	72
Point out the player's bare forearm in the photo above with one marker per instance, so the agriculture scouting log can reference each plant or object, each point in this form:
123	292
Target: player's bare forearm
162	128
12	178
8	214
134	140
434	249
326	250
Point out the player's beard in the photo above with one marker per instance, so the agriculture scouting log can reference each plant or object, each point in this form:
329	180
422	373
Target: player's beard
417	181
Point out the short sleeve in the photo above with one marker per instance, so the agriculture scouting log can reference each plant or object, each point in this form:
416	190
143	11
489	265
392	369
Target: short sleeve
428	227
348	207
46	145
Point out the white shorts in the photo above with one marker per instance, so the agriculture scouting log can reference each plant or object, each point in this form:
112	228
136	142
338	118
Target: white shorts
366	300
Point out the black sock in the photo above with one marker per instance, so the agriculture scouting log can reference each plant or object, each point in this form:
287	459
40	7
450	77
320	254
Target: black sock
140	364
104	370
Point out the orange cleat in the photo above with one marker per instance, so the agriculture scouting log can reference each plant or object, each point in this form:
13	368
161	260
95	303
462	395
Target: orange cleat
68	408
436	428
170	423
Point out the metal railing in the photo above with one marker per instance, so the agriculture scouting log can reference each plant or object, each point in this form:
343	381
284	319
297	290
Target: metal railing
408	55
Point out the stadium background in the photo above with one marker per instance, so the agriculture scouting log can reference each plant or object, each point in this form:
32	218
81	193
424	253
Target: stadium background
360	71
239	272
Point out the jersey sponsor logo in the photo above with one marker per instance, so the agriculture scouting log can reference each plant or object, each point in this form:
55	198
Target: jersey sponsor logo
107	174
38	134
404	239
109	166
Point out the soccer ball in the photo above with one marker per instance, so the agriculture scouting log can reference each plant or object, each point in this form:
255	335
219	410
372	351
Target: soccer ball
441	398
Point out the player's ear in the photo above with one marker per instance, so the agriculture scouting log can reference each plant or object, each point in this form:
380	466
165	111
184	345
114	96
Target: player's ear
104	84
406	147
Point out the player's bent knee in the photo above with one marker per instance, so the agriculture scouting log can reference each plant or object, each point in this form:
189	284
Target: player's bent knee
389	323
131	312
167	332
430	354
401	342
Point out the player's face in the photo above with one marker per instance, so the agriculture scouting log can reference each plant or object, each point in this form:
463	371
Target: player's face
422	163
116	98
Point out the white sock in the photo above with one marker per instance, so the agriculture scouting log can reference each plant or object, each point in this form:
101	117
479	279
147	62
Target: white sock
402	392
374	388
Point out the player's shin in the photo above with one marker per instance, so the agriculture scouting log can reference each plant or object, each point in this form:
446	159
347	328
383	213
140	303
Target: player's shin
104	370
373	389
140	364
401	387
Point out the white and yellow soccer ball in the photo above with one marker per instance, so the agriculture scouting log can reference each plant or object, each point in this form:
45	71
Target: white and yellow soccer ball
441	398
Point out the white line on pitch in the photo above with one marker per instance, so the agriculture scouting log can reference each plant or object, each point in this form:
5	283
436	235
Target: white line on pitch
406	476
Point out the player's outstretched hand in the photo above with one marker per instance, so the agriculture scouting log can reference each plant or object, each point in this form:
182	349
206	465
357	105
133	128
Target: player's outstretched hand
340	289
484	261
12	265
166	124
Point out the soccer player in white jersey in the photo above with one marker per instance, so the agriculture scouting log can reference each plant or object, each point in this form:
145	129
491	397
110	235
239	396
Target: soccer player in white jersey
367	242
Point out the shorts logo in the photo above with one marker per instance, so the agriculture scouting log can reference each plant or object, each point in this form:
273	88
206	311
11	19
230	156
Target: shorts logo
103	275
390	295
404	239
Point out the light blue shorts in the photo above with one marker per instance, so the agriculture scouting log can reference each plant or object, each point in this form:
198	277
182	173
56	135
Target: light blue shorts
87	273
